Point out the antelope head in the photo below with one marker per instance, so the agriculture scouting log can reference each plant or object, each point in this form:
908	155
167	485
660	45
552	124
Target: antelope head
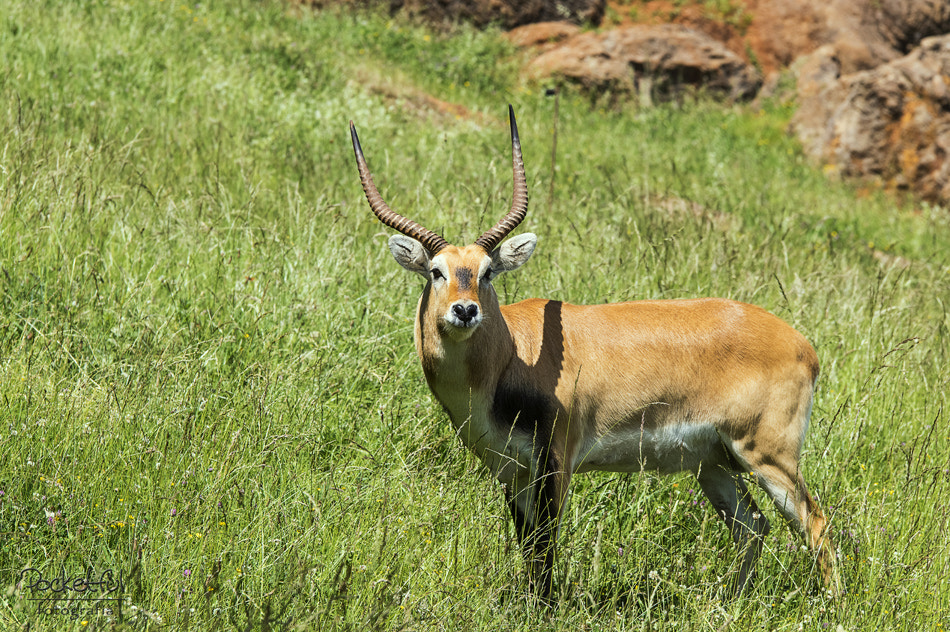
459	293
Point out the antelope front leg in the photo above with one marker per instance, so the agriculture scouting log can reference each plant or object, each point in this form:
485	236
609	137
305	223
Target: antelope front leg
535	503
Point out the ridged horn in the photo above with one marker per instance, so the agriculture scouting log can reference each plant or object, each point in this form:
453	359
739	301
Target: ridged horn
519	196
430	241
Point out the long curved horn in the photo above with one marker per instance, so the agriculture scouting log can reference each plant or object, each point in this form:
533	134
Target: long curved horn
519	196
430	241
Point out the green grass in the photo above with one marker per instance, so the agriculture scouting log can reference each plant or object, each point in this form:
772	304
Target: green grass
206	360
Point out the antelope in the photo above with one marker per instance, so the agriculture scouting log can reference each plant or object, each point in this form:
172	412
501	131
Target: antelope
542	389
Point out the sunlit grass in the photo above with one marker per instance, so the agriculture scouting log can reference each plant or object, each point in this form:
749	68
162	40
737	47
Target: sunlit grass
207	373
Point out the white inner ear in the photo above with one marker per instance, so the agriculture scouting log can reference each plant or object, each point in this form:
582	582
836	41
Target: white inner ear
514	253
410	254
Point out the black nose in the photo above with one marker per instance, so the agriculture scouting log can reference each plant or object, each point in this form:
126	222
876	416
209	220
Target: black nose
465	313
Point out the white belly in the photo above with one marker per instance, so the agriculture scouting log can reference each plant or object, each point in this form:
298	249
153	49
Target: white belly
670	448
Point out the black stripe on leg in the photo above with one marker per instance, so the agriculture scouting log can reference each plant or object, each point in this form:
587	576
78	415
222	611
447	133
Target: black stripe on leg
537	531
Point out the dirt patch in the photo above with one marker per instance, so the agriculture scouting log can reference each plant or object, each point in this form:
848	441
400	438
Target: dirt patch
411	100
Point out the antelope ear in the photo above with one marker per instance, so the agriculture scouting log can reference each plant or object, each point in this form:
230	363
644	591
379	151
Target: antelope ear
513	253
410	254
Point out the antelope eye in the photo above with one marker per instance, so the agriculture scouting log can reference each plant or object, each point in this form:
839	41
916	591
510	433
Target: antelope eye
436	274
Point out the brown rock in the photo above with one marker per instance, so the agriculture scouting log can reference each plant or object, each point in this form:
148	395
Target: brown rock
542	35
666	57
892	122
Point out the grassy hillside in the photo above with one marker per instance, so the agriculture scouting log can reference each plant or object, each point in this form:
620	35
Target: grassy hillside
207	373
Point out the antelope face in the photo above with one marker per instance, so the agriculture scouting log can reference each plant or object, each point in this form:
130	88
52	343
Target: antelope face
460	279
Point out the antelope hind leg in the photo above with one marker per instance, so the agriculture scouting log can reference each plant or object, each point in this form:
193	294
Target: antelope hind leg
731	498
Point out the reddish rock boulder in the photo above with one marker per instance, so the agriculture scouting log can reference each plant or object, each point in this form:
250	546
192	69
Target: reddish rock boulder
654	61
892	122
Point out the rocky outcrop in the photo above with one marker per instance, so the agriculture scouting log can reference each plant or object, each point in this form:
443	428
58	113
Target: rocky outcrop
769	36
772	34
892	122
654	61
903	24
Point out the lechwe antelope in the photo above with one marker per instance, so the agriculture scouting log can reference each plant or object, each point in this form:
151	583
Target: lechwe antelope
542	389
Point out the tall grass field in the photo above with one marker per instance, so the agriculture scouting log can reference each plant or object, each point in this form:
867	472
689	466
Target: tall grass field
212	416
